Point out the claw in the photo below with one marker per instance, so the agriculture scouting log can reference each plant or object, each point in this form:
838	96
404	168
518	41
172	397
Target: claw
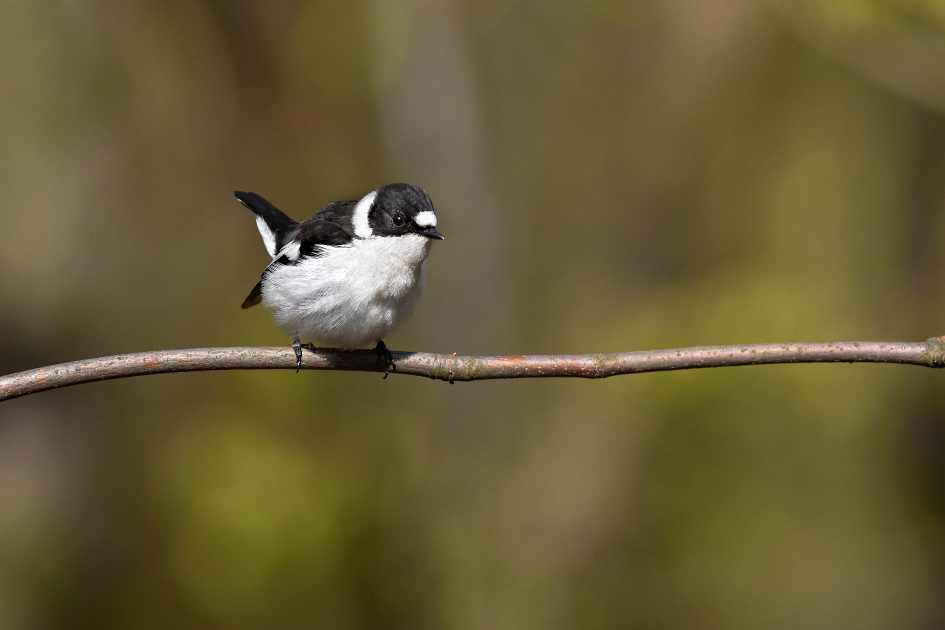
384	357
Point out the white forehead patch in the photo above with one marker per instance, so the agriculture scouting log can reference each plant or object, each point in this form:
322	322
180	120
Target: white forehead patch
362	228
425	219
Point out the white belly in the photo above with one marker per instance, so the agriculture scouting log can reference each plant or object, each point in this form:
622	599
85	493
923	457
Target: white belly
351	296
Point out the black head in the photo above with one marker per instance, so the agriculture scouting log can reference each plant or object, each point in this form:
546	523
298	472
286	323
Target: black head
400	209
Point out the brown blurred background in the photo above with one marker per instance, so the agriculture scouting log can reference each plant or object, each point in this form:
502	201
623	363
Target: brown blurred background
610	175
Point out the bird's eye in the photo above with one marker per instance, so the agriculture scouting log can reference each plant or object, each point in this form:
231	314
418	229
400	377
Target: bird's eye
399	220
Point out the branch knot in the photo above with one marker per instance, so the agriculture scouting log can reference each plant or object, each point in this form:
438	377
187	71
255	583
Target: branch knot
935	352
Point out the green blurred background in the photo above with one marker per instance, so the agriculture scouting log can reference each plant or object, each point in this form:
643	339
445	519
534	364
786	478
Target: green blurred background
610	175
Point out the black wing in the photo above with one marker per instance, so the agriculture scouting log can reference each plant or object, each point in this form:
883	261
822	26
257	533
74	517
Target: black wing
254	297
312	237
314	234
338	213
293	242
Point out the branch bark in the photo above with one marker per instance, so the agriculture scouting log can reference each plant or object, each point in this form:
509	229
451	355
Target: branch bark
445	367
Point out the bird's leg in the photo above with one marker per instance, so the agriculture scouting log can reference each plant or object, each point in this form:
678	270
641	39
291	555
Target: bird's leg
384	357
297	346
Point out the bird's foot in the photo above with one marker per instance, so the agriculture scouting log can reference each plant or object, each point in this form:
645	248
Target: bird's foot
297	345
384	357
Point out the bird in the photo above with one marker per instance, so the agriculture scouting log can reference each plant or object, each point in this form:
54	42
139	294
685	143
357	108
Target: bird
349	273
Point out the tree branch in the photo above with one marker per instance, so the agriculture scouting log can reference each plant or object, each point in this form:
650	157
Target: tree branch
445	367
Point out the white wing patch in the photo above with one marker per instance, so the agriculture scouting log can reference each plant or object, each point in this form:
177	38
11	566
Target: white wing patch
362	228
269	239
290	251
425	219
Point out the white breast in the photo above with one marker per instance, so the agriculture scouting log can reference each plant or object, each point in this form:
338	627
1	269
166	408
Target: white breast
352	295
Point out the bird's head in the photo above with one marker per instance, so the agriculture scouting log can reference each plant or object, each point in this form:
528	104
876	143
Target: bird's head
395	210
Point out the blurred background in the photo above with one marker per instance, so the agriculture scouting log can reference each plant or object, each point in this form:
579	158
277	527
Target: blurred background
610	175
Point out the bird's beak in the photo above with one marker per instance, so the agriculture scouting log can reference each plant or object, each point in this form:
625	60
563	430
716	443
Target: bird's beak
432	233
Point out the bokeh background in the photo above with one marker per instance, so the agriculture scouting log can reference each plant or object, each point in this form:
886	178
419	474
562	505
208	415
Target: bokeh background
610	175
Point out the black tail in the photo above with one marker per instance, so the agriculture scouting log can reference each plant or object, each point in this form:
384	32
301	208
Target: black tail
275	220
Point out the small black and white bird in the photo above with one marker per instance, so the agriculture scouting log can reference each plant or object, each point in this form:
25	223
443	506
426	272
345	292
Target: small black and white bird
349	273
